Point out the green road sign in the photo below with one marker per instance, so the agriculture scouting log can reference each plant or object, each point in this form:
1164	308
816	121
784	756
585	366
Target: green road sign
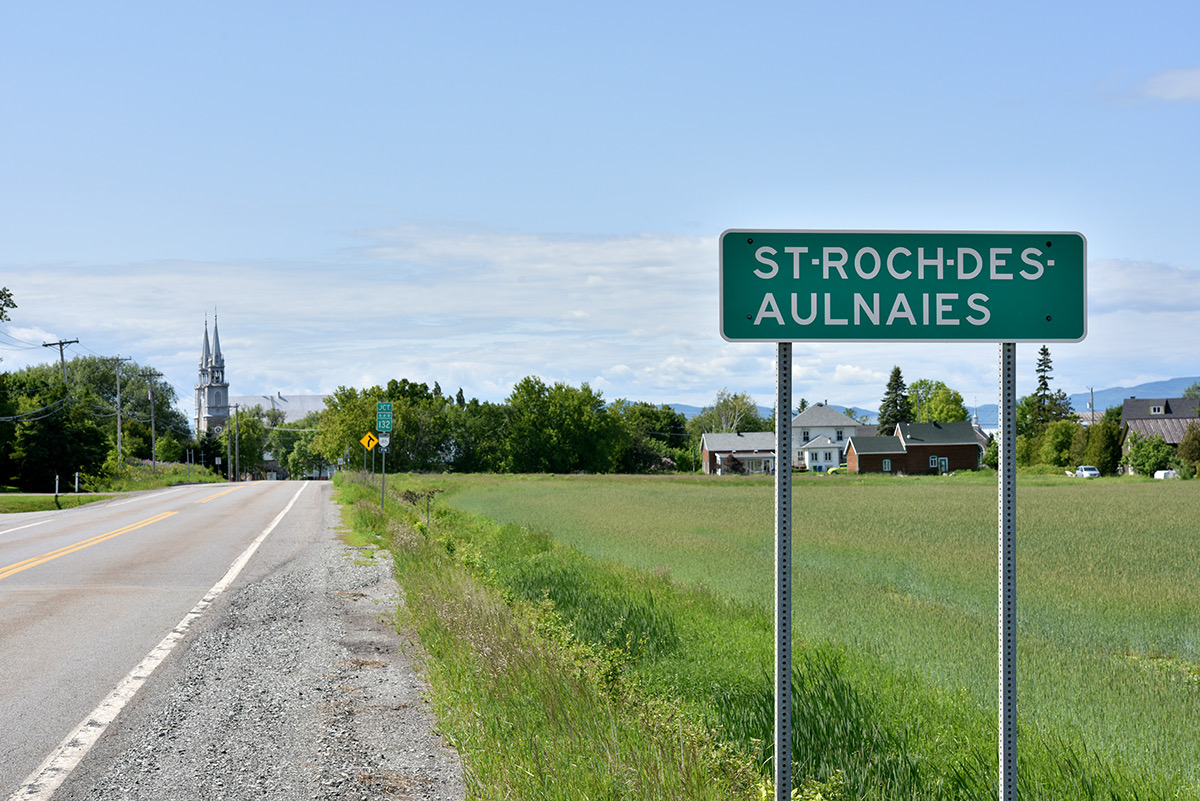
383	416
898	286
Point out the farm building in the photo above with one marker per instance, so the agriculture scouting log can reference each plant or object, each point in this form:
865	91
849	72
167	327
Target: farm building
743	452
918	448
1167	417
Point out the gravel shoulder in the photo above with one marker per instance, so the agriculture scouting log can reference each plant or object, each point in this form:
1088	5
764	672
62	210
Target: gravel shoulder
293	686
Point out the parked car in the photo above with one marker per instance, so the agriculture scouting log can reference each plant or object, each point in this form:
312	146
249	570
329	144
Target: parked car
841	468
1087	471
1165	474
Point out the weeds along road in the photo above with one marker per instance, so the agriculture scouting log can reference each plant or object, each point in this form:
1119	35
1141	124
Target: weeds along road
212	641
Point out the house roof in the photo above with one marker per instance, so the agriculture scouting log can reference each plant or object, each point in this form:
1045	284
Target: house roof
1171	429
743	441
1139	408
817	443
874	444
821	415
961	433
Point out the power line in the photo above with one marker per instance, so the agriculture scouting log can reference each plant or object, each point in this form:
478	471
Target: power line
61	357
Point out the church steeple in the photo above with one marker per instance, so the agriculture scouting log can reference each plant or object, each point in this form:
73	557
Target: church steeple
212	392
217	359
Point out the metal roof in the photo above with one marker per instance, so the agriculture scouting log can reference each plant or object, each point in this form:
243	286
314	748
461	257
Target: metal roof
744	441
821	415
961	433
863	445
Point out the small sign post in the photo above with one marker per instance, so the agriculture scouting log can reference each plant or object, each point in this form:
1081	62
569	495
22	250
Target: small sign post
902	286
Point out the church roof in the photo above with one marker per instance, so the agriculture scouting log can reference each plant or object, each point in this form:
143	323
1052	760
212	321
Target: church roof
297	407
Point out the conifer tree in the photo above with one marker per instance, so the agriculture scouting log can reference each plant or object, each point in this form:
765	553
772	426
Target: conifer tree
894	408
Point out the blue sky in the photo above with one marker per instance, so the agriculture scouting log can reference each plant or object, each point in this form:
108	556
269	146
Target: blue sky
472	193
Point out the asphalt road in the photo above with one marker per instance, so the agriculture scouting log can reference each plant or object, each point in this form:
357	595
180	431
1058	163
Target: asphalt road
87	593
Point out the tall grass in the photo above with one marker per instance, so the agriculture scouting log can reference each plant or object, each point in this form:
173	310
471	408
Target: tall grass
897	578
535	711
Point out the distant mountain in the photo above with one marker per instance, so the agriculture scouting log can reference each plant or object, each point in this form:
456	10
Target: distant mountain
765	411
989	413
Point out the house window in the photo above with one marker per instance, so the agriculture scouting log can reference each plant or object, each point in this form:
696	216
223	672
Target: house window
839	435
804	435
933	461
828	456
1155	410
887	465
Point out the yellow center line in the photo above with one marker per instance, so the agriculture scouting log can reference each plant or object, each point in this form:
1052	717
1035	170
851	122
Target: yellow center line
13	569
222	492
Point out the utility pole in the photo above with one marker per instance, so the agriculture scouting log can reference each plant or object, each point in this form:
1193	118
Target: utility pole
237	444
120	451
61	358
152	374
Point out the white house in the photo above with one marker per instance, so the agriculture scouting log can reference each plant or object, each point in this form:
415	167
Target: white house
755	450
821	434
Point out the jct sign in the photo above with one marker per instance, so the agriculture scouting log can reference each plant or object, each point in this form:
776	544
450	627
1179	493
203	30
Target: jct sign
779	286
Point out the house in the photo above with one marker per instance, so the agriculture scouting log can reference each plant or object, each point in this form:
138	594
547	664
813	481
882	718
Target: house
1167	417
821	434
918	448
754	450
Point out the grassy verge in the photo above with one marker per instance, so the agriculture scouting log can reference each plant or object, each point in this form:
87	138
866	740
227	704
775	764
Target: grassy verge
562	675
535	711
12	504
133	476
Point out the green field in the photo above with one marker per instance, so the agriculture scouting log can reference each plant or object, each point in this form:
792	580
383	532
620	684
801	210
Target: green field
899	575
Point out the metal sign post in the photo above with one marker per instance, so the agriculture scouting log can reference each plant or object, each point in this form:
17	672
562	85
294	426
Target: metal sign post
783	572
902	286
1007	569
384	441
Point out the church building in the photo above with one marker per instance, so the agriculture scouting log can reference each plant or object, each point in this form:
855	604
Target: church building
212	391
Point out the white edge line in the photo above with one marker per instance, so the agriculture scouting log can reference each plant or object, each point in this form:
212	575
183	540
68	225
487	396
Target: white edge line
46	779
27	525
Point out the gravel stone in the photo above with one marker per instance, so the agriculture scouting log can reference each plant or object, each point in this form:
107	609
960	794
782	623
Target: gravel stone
294	685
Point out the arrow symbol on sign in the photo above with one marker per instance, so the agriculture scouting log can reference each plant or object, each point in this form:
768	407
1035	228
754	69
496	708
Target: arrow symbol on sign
369	441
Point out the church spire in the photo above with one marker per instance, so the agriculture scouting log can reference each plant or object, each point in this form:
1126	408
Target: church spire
204	354
217	359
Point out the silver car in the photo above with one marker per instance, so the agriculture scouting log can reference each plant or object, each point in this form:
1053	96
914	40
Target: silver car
1087	471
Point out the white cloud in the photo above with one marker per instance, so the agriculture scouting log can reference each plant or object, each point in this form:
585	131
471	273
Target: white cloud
1179	84
636	316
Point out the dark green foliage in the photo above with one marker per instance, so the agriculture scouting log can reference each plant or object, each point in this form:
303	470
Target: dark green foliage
1147	454
895	407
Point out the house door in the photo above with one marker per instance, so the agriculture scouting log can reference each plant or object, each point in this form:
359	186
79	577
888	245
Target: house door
943	464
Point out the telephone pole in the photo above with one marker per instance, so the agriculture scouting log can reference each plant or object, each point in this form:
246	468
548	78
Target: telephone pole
118	360
62	343
152	374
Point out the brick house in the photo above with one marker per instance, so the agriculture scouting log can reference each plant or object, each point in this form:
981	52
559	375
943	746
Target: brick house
918	448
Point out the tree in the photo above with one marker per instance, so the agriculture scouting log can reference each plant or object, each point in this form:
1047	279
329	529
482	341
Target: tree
244	438
946	406
475	435
895	407
56	437
1044	406
558	429
652	436
1147	454
1193	391
1189	445
1104	446
1056	443
729	413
